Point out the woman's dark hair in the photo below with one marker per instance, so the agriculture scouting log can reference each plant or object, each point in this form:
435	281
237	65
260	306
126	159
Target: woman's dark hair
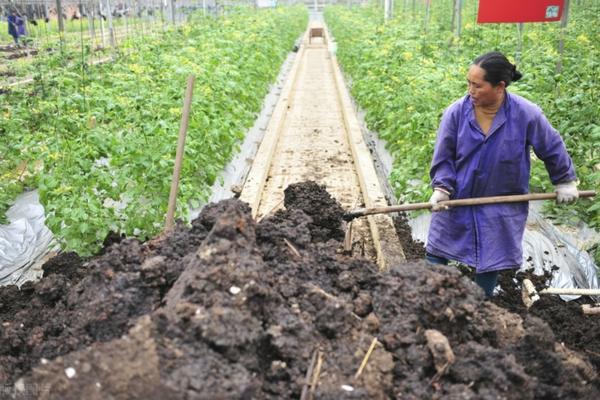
497	68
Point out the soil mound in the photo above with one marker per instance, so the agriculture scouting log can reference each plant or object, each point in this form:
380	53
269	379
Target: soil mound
232	309
578	331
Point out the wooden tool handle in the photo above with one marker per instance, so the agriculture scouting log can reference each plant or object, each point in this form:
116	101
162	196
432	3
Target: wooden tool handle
460	202
577	292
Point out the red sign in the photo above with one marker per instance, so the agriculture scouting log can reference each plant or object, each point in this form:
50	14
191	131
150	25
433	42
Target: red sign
519	10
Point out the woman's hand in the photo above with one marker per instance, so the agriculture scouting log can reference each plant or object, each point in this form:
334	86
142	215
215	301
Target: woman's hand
438	195
566	192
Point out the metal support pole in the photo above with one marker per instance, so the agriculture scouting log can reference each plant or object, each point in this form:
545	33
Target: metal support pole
46	14
561	44
111	31
458	17
386	10
519	42
126	16
89	11
453	22
427	11
101	24
61	23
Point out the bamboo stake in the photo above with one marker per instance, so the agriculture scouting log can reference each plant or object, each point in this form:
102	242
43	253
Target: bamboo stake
519	198
179	155
365	360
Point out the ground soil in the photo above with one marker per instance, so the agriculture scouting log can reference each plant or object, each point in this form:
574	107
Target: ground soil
234	309
570	326
20	53
413	249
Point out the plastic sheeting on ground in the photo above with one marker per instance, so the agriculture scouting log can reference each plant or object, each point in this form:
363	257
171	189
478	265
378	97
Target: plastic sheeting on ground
25	243
546	247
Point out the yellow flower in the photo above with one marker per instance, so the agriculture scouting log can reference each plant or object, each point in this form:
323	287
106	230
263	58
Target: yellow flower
136	68
206	91
407	55
583	39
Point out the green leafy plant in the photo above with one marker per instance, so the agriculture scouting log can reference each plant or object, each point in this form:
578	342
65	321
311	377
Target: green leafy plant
99	142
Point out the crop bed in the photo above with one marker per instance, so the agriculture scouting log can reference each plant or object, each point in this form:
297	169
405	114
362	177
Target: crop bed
99	142
232	308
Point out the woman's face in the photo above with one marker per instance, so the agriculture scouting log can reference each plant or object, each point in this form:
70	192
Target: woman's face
482	92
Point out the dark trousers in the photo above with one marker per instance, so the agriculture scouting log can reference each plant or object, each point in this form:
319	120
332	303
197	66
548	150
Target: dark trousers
486	280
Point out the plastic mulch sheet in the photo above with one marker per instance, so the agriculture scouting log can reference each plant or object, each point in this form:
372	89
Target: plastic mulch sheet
25	243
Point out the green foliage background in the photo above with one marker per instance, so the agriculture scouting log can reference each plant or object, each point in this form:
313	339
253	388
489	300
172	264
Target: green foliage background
91	138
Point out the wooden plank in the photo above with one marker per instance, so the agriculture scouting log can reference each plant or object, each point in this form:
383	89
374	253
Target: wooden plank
388	247
255	181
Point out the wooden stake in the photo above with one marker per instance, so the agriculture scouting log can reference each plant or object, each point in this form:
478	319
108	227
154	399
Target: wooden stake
348	239
179	155
365	360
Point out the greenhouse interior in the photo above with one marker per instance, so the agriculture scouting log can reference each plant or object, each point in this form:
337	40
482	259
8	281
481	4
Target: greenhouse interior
299	199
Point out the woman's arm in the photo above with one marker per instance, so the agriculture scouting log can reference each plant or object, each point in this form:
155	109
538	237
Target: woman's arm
549	147
443	170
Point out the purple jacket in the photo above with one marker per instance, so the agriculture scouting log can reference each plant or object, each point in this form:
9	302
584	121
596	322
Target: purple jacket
469	164
20	26
12	26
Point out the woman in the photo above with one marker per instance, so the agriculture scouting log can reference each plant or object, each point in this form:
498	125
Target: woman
13	29
482	149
